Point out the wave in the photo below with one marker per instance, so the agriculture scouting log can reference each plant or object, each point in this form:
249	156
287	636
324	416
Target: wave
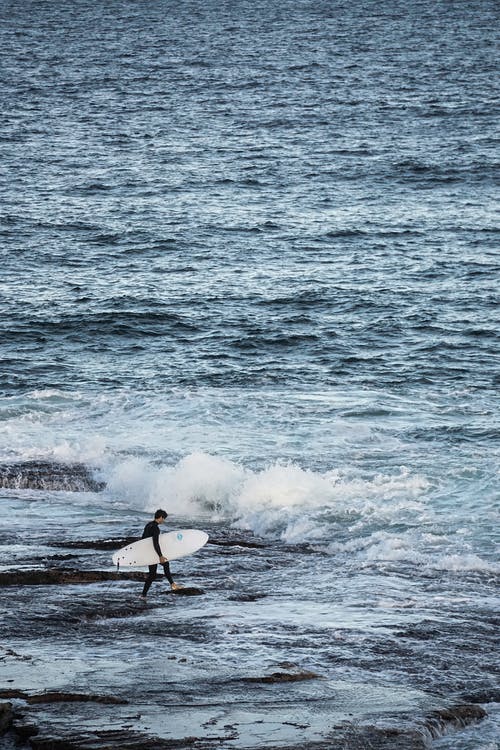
466	563
283	501
384	547
380	520
109	323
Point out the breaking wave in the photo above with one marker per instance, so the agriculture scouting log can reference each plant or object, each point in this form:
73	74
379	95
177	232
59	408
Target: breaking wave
281	500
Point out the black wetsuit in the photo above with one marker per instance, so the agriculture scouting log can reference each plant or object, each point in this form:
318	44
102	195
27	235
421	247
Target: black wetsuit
152	530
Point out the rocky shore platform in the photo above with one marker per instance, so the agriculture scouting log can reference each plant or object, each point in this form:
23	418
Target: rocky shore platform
241	658
21	728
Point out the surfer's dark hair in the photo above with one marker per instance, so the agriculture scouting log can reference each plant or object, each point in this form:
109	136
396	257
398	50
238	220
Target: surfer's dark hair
161	513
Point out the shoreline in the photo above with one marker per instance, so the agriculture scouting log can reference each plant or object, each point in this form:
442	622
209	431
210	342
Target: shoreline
242	712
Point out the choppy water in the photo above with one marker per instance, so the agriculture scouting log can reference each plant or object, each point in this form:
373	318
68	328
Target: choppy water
250	271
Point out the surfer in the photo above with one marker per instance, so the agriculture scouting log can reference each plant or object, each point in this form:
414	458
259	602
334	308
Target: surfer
152	529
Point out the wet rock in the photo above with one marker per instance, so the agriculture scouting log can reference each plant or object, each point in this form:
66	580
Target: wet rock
106	611
102	544
10	653
350	737
72	613
44	475
115	740
421	632
12	694
250	544
450	719
344	736
284	677
24	728
5	716
436	724
246	597
52	576
187	591
61	697
56	697
487	695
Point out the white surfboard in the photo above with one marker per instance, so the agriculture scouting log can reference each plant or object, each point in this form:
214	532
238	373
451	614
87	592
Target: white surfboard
173	544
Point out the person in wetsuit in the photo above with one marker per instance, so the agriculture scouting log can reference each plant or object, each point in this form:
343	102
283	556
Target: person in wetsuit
152	529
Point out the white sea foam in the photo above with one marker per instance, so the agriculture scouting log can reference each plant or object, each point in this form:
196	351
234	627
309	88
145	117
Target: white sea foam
51	393
296	505
465	562
394	547
343	506
282	500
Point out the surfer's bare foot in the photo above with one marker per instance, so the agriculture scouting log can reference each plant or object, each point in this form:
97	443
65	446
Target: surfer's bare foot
144	598
176	587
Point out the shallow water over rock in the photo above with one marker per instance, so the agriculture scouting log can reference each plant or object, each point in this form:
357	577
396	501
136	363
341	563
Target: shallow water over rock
255	652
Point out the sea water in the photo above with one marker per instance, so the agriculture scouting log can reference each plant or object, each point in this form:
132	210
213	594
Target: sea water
249	273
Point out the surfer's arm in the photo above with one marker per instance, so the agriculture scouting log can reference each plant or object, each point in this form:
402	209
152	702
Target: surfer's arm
163	560
156	543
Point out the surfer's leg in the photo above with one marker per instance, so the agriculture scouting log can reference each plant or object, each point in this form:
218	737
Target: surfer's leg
168	574
149	580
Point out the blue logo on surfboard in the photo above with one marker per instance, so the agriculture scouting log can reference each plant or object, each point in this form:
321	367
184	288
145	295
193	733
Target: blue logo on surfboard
179	536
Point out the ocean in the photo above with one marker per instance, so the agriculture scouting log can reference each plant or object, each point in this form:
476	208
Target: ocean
249	273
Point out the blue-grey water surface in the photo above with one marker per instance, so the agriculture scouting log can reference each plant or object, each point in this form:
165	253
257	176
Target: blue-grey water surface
249	271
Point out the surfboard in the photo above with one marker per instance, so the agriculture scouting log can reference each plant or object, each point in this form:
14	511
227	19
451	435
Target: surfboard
173	544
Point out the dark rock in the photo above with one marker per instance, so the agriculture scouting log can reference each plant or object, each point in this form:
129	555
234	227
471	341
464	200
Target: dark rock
8	652
115	740
246	597
351	737
284	677
236	543
345	736
420	633
487	695
187	591
24	729
450	719
5	716
12	694
60	697
44	475
103	544
52	576
55	697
